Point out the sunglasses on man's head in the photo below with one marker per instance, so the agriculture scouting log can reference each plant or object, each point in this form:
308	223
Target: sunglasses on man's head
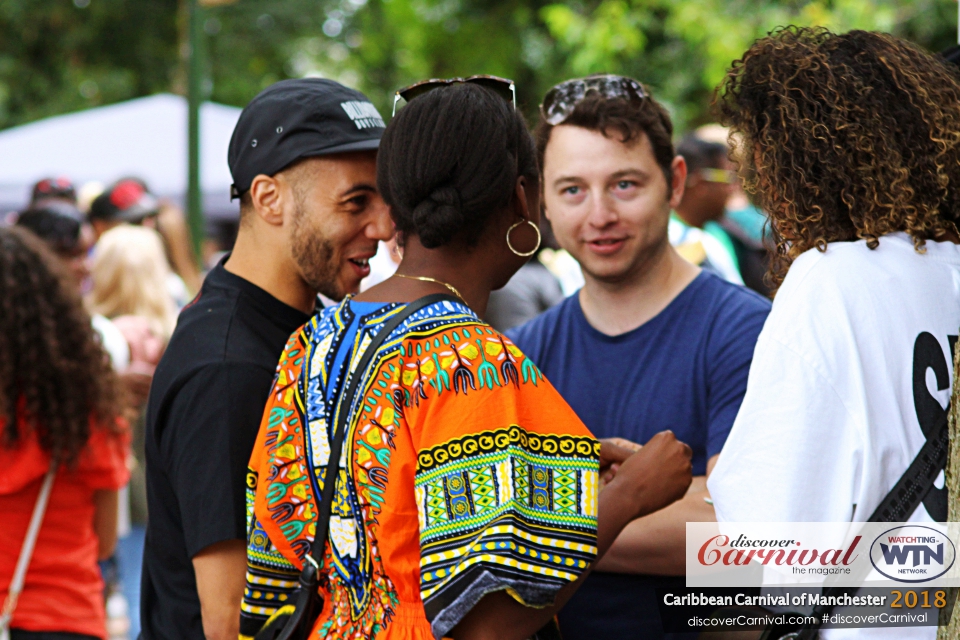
563	98
501	86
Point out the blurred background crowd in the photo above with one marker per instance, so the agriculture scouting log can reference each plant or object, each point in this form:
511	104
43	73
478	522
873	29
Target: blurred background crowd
93	137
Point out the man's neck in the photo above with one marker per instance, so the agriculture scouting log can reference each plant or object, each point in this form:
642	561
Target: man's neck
616	308
272	270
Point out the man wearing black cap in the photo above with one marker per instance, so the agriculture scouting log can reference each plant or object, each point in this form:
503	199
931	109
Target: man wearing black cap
303	159
127	201
60	189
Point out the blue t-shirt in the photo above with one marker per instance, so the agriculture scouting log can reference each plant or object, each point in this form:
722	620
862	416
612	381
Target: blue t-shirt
685	370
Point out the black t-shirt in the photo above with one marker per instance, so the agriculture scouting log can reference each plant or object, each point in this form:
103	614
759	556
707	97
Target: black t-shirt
207	398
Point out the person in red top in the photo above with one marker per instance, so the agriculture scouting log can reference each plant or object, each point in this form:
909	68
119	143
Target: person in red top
59	401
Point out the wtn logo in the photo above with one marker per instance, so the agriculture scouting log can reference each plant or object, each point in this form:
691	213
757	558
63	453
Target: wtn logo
896	554
912	553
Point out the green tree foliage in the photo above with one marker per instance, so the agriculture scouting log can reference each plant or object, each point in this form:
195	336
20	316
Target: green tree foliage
253	43
380	45
63	55
58	56
705	36
681	48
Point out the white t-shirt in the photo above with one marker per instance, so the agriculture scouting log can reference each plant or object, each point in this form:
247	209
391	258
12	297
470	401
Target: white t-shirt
829	421
382	266
113	342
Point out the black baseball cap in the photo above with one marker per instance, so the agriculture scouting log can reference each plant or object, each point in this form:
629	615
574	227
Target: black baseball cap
295	119
126	201
60	188
56	222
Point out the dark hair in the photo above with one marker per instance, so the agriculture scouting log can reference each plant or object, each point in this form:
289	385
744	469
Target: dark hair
55	222
450	160
54	371
246	205
844	137
621	116
699	153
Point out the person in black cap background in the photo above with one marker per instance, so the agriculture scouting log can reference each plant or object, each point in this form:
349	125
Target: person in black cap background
127	201
60	189
60	225
303	160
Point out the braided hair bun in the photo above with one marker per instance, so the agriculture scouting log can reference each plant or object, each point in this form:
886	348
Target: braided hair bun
450	160
439	217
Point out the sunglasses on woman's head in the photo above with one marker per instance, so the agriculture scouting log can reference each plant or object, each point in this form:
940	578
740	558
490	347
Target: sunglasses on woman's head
563	98
501	86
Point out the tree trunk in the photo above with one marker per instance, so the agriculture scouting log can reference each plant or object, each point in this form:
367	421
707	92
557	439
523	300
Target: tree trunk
950	624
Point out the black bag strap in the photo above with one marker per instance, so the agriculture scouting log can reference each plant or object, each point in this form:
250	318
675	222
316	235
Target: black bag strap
332	472
913	485
899	504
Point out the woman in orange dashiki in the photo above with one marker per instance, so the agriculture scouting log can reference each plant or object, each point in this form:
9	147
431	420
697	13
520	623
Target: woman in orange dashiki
467	498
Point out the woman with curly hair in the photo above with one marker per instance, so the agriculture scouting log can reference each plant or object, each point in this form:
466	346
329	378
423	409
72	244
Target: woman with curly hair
59	408
852	144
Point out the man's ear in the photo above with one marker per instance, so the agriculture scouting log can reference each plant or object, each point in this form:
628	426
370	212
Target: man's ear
266	199
543	200
678	170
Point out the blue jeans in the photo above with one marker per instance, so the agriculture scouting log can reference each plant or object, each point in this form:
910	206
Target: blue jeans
130	560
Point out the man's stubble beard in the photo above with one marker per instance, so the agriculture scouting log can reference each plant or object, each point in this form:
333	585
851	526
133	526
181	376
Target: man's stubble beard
644	260
314	254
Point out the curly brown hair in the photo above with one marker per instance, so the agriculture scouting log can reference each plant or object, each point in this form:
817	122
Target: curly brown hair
845	137
53	367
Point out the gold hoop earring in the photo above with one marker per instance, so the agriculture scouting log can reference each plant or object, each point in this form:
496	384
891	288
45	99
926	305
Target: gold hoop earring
521	253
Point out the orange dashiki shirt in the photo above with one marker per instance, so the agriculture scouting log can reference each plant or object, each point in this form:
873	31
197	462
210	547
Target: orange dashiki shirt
463	472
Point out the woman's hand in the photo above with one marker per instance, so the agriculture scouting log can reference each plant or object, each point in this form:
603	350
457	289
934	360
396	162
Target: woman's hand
655	476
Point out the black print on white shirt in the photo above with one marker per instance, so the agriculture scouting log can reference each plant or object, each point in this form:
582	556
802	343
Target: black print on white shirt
927	354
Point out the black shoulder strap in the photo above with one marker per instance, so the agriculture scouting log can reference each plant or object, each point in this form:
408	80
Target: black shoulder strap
900	503
331	473
913	485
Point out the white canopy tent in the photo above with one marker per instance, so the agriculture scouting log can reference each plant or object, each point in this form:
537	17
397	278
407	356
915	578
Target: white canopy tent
145	138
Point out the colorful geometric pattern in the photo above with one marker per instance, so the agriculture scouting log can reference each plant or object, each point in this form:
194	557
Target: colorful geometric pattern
510	505
540	491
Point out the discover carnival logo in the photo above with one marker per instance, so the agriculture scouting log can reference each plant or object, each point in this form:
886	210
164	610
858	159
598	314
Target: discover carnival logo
912	553
742	550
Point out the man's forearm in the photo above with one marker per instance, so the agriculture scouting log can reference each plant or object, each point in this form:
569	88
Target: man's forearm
221	572
656	544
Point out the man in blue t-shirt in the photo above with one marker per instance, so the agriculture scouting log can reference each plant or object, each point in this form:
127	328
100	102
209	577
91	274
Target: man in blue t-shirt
650	342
